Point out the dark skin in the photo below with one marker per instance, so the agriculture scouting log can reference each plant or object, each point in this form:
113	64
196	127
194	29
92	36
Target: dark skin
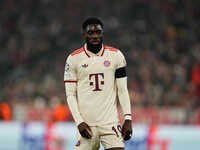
93	36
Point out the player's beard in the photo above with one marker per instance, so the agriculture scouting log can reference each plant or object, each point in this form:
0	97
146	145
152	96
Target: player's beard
95	48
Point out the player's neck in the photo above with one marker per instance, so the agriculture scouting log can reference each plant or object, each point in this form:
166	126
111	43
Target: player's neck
94	48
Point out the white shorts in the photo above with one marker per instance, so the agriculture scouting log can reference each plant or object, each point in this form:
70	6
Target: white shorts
108	135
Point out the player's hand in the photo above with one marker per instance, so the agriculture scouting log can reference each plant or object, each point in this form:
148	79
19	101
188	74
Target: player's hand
85	130
127	129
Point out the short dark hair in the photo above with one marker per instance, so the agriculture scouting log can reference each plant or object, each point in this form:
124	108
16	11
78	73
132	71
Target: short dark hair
91	20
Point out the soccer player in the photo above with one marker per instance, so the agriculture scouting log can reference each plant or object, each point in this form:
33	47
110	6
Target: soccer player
94	75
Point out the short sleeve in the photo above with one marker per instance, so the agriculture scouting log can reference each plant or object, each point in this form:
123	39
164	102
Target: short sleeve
70	70
121	61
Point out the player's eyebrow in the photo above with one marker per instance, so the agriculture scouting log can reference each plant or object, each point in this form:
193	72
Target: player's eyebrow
93	26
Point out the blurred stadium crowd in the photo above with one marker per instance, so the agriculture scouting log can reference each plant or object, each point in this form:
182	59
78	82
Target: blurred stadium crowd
160	39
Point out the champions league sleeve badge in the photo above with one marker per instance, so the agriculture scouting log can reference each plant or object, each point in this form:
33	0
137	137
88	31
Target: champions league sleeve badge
66	67
67	74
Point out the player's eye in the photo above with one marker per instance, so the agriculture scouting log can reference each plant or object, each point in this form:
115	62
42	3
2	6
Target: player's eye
99	31
90	32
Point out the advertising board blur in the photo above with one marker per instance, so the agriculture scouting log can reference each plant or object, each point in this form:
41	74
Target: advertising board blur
61	136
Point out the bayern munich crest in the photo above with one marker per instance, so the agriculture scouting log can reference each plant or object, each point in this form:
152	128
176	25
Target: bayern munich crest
106	63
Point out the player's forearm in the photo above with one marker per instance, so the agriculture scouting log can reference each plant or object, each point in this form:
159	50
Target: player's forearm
124	98
73	106
72	102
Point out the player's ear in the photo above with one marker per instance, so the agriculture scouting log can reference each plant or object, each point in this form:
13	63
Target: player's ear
83	32
83	35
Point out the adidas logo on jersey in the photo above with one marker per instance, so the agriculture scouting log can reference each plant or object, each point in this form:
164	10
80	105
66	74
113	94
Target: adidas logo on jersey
85	65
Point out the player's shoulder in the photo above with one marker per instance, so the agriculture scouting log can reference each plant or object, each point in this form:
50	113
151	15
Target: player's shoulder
116	51
109	48
77	51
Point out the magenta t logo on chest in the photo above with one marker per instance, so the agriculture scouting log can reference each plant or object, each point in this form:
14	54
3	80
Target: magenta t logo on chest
97	81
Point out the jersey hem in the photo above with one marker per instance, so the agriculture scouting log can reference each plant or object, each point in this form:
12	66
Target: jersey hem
70	80
102	124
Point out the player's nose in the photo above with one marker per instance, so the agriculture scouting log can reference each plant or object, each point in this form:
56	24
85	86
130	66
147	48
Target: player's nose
95	35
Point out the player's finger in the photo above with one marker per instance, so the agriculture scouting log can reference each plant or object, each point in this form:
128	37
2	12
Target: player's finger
89	132
123	132
87	127
86	134
83	133
127	135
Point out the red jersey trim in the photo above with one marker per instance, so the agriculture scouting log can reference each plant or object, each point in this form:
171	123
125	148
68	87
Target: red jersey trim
89	55
111	48
77	51
103	51
86	52
70	80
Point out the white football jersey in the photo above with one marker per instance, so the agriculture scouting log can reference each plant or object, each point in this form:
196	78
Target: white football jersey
94	75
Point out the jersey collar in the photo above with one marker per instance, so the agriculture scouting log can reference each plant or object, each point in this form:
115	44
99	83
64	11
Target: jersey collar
90	54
